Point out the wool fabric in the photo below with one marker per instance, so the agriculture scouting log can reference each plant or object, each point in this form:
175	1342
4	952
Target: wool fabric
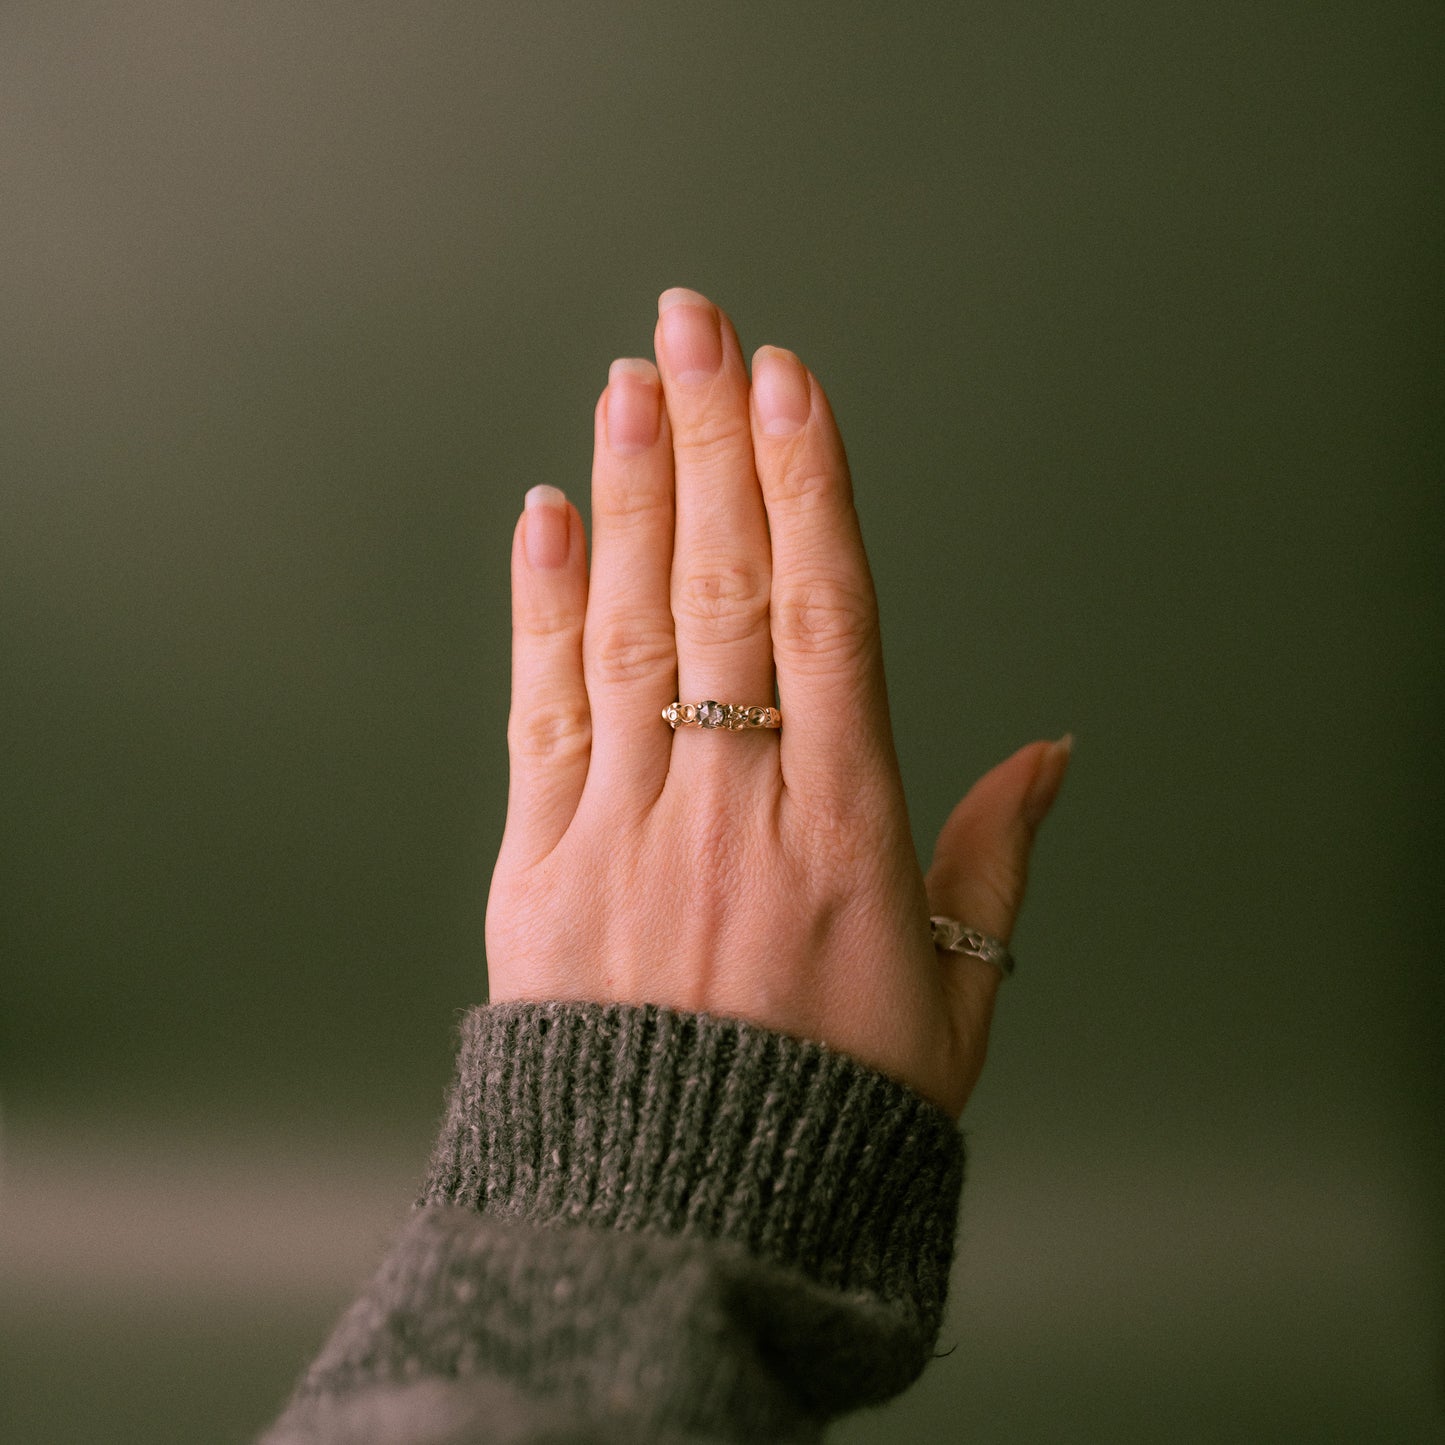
644	1224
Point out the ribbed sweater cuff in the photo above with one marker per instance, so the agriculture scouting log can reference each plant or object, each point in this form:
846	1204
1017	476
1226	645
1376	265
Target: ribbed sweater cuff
636	1117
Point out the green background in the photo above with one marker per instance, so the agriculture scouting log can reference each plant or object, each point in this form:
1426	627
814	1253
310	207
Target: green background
1130	316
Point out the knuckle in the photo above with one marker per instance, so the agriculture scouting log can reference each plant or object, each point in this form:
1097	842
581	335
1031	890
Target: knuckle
549	624
826	618
714	432
620	497
811	484
623	654
730	599
551	732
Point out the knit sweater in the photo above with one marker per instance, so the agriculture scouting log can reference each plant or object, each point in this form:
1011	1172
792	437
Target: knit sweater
640	1224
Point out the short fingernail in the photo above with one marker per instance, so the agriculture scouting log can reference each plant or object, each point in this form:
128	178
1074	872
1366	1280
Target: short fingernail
691	334
548	527
634	408
780	391
1048	780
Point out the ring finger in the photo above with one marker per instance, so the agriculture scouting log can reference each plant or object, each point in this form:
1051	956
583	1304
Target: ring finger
631	659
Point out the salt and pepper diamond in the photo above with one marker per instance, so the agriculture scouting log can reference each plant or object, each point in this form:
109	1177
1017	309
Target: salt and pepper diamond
712	714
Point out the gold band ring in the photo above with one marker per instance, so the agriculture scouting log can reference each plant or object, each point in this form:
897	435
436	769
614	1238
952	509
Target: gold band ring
730	716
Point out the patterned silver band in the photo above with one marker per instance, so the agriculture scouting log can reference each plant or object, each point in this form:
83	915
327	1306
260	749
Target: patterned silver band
730	716
955	937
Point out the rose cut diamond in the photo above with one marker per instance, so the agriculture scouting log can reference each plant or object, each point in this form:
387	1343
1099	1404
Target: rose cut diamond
712	714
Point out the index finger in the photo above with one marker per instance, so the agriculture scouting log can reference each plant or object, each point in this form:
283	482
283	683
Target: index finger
824	612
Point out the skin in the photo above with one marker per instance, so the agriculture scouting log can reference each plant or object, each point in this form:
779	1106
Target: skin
765	875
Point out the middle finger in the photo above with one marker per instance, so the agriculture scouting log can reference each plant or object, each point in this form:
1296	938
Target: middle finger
722	560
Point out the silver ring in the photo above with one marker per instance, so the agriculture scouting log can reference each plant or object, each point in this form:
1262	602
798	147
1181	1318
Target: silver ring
955	937
730	716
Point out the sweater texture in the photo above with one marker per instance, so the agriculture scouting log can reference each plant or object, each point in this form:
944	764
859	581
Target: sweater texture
640	1224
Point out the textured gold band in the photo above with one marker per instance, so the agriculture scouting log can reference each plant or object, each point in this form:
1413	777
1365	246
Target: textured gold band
730	716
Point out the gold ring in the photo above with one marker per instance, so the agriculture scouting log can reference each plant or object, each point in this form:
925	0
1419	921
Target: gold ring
731	716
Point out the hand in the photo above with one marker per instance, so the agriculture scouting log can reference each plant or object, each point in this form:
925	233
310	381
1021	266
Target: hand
765	875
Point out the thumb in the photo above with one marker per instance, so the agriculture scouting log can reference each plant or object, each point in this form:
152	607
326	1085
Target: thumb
980	867
981	860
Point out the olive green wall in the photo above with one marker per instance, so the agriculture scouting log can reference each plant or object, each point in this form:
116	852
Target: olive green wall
1129	314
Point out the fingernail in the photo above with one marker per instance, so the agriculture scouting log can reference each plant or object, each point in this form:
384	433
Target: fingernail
1048	780
691	334
548	527
780	391
634	408
680	296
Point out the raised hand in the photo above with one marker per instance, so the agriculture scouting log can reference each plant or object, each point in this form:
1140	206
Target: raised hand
767	874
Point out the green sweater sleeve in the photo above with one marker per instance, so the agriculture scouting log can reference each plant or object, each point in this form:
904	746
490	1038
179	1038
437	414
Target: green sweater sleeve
647	1225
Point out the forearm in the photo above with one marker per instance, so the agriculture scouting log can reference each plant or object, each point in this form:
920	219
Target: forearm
647	1224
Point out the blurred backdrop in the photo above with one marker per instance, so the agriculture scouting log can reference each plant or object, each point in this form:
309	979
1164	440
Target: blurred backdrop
1130	316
